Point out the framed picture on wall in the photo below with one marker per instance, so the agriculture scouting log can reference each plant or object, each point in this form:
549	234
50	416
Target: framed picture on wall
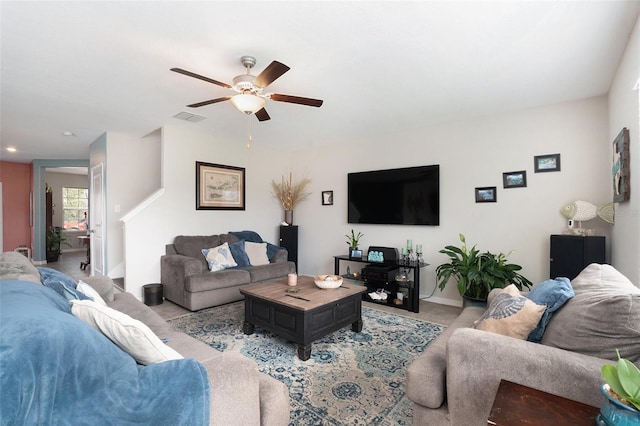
621	167
219	187
327	198
514	179
486	194
546	163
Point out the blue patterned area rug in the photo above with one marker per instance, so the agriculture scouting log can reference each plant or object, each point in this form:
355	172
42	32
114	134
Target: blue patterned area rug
350	379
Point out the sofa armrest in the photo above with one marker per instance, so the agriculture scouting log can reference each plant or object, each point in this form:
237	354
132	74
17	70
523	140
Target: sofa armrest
478	360
282	255
426	374
174	268
103	285
235	390
183	266
274	402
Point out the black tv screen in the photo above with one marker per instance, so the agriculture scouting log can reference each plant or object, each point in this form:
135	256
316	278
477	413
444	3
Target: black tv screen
407	196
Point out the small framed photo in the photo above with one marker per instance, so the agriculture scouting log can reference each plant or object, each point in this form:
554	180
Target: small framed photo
514	179
486	194
219	187
355	253
546	163
327	198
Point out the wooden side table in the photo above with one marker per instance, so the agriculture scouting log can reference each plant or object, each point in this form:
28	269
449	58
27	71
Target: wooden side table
520	405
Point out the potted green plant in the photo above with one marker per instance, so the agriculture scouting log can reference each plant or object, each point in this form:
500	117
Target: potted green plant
53	243
622	393
353	240
478	273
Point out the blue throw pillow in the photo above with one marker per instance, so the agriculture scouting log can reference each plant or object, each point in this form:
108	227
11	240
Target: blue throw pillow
553	294
239	254
272	250
61	283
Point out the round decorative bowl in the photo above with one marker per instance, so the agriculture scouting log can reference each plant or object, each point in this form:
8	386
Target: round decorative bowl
328	281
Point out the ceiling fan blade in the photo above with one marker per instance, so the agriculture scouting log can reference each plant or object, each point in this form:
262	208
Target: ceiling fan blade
209	102
271	73
201	77
262	115
296	100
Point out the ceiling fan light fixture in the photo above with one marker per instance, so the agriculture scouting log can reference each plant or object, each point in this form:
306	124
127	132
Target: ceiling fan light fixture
249	104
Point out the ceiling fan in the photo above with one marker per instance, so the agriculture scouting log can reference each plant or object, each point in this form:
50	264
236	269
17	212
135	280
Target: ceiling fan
250	98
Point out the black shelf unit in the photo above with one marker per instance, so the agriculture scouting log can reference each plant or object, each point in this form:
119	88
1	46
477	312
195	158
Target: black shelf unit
412	300
570	254
289	240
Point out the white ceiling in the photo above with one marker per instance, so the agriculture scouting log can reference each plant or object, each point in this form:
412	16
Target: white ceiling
382	66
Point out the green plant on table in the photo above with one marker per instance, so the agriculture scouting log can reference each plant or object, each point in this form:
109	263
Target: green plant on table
624	381
478	273
354	238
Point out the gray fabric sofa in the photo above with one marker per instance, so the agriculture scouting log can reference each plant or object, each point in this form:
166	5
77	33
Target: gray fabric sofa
239	393
454	382
188	282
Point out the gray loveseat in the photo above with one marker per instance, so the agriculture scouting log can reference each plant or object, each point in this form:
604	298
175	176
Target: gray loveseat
454	382
188	282
239	393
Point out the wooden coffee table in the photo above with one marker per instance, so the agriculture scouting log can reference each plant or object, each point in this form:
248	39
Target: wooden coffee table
520	405
305	316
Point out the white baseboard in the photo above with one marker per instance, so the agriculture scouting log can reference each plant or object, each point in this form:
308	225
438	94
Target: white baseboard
442	301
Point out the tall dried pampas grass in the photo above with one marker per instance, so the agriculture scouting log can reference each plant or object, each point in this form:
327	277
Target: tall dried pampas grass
290	193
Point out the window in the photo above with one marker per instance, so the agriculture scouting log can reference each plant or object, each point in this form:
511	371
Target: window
75	203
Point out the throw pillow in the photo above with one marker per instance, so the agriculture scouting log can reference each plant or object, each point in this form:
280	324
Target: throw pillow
553	294
219	258
510	314
239	254
131	335
272	249
257	253
603	316
90	292
62	284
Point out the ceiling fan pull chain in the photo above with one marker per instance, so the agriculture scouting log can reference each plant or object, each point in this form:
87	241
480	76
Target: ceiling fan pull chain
249	131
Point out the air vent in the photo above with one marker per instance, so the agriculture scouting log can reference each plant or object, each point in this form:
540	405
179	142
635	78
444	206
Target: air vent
187	116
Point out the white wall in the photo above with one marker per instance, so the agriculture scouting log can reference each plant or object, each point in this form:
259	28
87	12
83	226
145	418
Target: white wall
133	173
174	213
471	154
624	111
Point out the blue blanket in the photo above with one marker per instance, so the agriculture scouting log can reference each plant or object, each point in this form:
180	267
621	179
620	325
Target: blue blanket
55	369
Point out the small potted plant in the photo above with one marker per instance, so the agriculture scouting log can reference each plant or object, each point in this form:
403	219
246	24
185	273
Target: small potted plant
353	241
53	243
622	393
478	273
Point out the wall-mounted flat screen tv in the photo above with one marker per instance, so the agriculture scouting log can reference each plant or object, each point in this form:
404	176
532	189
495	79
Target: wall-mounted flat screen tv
407	196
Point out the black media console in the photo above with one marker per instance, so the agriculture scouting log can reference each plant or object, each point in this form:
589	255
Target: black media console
383	275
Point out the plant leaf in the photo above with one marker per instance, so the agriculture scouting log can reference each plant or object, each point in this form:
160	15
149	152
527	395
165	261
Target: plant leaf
629	378
610	375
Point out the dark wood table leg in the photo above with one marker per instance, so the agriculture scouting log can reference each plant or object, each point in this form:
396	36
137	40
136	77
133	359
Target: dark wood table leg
357	326
248	328
304	352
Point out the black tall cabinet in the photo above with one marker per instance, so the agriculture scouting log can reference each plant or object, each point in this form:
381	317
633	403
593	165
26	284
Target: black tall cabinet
289	240
570	254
